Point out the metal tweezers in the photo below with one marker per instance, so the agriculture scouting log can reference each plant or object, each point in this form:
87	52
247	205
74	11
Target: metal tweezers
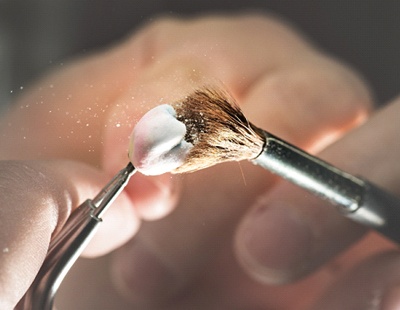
67	246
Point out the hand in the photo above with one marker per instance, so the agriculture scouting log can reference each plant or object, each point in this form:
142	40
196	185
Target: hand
86	112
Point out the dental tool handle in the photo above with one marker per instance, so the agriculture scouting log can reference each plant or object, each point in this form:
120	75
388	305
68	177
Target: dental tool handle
379	210
69	243
354	197
63	252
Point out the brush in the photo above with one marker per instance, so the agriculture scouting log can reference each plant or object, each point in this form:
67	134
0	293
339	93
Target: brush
207	128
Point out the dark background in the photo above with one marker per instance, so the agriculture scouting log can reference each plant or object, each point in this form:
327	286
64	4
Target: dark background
37	34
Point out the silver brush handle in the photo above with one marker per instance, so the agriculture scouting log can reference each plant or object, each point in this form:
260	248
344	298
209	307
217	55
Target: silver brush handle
356	198
379	210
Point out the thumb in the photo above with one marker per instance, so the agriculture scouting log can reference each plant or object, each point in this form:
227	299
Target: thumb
36	199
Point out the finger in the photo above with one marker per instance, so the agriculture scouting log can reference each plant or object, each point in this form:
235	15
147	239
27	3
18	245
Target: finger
296	103
171	251
374	284
36	199
289	233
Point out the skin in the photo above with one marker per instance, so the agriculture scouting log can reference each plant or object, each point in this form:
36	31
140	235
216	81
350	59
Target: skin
228	237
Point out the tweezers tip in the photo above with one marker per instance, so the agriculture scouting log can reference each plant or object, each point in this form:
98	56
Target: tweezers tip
130	168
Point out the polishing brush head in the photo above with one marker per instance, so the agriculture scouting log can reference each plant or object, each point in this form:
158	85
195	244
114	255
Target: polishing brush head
218	130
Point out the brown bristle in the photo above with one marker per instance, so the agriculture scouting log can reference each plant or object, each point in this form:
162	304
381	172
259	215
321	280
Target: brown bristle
217	129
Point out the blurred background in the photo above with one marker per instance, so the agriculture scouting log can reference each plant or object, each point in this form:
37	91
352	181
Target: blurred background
38	34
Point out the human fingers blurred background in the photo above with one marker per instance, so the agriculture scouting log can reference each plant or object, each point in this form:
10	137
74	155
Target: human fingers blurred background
332	25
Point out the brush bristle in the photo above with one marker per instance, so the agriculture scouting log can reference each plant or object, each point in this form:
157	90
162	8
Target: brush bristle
218	130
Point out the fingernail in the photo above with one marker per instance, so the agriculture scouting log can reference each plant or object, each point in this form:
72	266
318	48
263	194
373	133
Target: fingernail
391	299
154	197
274	244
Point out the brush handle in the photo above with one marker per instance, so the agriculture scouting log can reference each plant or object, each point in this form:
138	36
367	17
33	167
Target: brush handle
379	210
311	173
354	197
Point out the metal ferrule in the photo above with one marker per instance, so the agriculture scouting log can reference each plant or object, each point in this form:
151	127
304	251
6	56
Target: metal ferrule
311	173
